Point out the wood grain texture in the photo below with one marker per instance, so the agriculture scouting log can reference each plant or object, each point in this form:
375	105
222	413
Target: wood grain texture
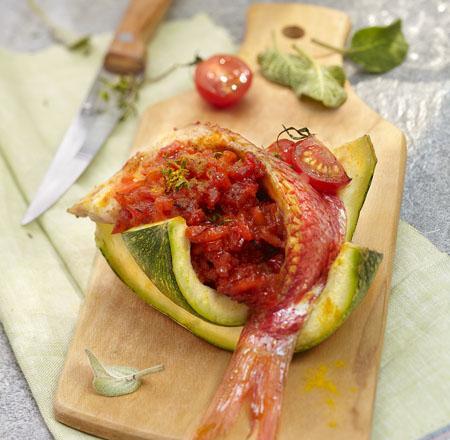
331	388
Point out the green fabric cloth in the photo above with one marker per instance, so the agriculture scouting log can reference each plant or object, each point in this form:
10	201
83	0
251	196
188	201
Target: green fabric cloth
45	265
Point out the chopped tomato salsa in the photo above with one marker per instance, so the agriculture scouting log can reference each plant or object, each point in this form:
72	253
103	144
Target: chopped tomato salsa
236	231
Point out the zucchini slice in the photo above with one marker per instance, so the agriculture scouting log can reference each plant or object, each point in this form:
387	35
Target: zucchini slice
164	253
348	280
359	160
144	244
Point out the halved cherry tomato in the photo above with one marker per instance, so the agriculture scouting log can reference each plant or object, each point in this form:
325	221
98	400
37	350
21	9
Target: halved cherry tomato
325	172
222	80
284	148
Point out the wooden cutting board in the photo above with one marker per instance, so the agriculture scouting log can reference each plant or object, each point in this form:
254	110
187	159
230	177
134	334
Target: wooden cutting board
331	388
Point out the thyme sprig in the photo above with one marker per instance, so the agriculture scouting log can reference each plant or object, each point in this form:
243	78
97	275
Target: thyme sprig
218	218
215	217
175	174
126	89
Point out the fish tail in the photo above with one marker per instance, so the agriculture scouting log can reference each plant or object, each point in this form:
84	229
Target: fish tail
257	371
267	388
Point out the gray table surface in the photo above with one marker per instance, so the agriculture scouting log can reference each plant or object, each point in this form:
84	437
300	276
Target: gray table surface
415	97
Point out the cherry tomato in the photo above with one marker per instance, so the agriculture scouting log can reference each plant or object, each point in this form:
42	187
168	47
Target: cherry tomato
222	80
325	172
284	148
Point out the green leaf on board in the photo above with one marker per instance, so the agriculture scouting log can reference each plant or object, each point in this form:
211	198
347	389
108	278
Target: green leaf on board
112	381
377	49
304	75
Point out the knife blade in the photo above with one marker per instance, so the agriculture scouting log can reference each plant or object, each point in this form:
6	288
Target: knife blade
111	95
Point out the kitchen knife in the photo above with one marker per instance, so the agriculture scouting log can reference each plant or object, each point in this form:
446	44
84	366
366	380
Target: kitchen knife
110	97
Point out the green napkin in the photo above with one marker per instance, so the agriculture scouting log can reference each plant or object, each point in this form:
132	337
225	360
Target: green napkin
47	264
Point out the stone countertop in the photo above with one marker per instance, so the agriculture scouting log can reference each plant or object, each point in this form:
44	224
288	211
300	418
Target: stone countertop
415	97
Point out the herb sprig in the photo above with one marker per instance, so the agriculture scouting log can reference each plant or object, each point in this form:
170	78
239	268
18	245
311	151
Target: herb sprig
175	174
126	89
218	219
376	49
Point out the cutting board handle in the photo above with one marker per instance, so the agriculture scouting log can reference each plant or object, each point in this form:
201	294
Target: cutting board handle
127	52
294	23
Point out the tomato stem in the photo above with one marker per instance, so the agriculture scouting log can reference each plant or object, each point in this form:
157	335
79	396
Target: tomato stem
172	69
302	133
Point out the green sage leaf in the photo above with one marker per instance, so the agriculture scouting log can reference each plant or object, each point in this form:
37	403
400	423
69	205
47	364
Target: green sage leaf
304	75
379	49
112	381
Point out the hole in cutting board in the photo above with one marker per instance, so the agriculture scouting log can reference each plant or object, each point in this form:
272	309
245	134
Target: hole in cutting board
293	32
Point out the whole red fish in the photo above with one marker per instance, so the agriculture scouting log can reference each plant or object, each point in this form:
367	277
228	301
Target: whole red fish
154	185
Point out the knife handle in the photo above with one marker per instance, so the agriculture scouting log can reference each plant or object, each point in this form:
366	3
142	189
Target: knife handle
127	52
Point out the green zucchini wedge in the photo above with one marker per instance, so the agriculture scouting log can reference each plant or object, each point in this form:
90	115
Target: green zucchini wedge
164	253
149	248
359	160
348	280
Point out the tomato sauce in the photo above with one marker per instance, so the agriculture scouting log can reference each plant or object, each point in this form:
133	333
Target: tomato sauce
236	231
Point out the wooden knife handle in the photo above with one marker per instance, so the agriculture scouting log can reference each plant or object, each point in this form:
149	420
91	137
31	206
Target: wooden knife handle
127	52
